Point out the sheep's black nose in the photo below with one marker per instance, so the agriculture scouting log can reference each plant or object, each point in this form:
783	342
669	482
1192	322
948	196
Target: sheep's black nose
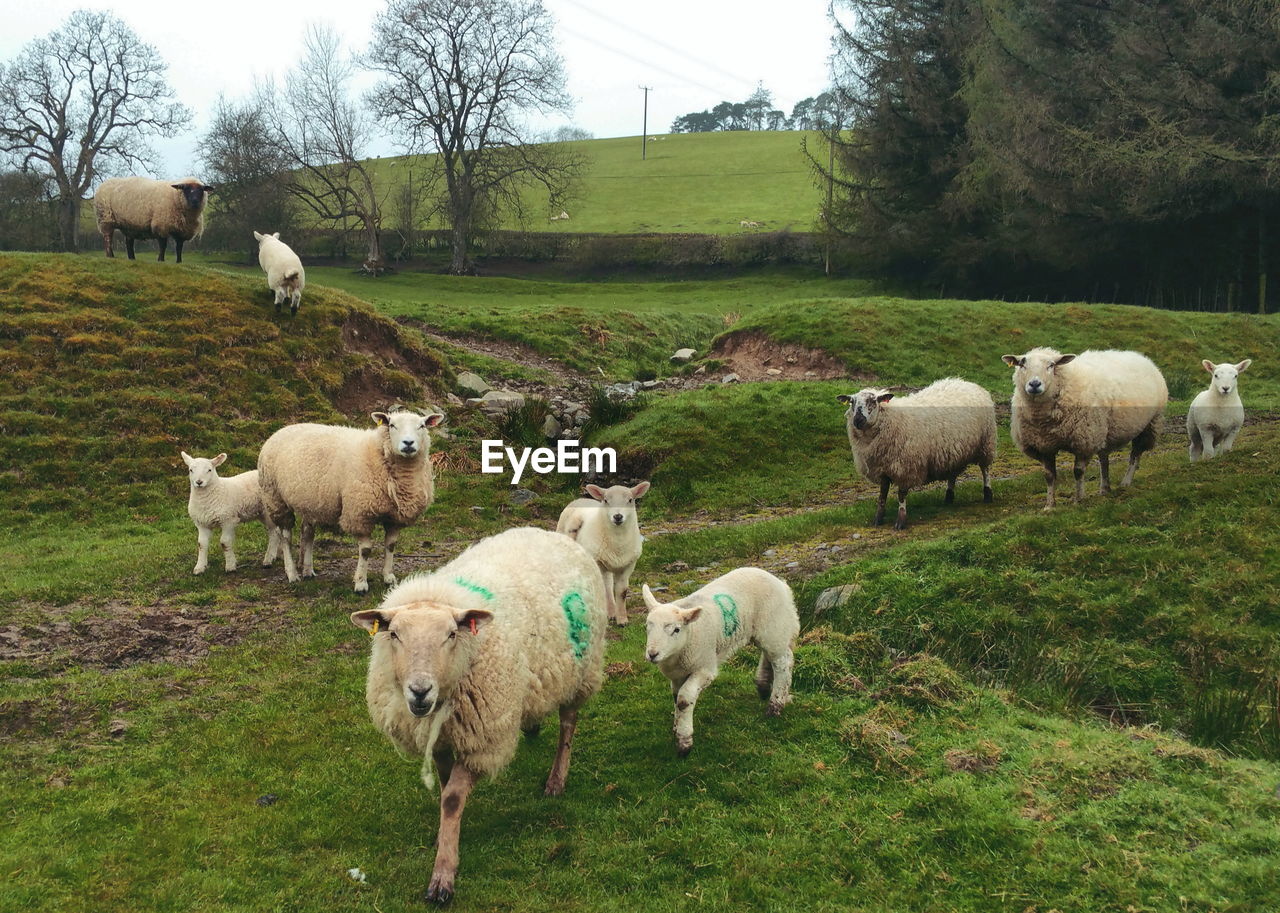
618	518
653	656
420	694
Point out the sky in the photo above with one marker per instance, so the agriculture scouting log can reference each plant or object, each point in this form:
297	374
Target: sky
692	53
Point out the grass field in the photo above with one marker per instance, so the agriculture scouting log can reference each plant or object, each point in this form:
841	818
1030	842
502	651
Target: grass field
1014	711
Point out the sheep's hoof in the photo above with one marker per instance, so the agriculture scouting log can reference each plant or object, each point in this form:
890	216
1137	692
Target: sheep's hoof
554	788
901	524
763	689
440	891
619	622
774	709
389	579
987	497
532	731
198	570
293	578
362	587
683	748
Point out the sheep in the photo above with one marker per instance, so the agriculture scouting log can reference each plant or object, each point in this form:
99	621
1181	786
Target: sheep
606	526
466	657
748	223
351	479
688	639
560	218
142	208
1216	414
1088	405
285	275
225	502
926	437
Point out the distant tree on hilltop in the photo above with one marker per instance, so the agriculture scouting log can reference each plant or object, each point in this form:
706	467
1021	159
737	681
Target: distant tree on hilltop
756	113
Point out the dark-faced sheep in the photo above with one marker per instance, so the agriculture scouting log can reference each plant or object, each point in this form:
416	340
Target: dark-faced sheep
140	208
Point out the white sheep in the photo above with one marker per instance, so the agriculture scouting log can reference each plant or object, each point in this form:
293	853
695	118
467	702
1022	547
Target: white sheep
560	218
688	639
932	435
466	657
606	526
349	479
141	208
225	502
1216	414
285	275
748	223
1087	404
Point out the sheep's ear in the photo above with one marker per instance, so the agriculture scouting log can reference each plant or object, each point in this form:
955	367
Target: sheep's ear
1208	365
372	620
380	418
433	418
639	489
689	615
845	398
178	186
884	397
1014	361
257	236
276	235
649	598
1244	365
596	492
1064	359
208	188
472	619
219	459
186	458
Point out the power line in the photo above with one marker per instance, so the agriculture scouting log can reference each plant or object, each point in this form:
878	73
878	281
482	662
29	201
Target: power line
682	78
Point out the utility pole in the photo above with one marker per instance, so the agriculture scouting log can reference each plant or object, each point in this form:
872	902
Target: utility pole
644	134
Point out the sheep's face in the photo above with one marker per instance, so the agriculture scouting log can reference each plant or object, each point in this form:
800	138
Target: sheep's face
619	502
1225	376
202	472
407	434
864	407
666	628
193	192
431	647
1035	373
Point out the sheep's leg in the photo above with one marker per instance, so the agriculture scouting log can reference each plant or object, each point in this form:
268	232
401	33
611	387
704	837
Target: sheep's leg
295	300
1104	472
676	685
780	696
987	496
621	587
902	508
273	541
106	243
177	250
884	496
1228	442
1195	448
203	535
560	769
128	247
228	541
279	299
308	549
1208	448
685	700
950	497
453	798
444	765
1051	479
361	578
389	539
164	243
285	533
1081	465
764	676
1142	443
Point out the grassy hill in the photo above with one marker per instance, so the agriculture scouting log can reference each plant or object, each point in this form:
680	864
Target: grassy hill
997	720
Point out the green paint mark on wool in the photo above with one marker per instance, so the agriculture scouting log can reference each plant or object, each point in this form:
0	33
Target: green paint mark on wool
474	587
728	613
575	612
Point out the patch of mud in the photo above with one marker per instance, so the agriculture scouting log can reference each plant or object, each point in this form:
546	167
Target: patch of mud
368	388
752	355
503	350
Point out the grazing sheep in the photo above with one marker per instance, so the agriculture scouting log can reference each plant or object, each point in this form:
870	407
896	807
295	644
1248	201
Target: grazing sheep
606	526
349	479
926	437
1216	414
225	502
285	275
466	657
142	208
1087	404
688	639
747	223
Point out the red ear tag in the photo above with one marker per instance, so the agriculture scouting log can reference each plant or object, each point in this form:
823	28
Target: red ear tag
473	625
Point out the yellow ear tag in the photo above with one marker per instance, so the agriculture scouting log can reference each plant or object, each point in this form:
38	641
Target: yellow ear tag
375	627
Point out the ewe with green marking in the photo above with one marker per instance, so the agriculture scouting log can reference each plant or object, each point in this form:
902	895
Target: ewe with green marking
1088	405
688	639
466	657
605	525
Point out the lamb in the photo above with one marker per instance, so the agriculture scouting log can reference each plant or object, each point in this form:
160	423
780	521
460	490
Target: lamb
926	437
1088	405
1216	414
225	502
285	275
142	208
465	658
606	526
351	479
688	639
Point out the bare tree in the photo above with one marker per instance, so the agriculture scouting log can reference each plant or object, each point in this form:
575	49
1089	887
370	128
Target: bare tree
325	137
81	102
459	76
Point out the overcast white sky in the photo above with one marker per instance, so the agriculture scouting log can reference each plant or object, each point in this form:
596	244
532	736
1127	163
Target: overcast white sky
694	53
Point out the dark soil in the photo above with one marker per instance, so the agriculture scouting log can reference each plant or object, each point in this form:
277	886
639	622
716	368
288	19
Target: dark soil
752	355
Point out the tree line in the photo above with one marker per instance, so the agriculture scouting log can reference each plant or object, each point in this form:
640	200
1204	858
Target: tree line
456	79
758	113
1120	150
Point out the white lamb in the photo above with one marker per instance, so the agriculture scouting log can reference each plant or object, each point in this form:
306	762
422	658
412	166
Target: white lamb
606	526
285	275
926	437
1216	415
688	639
1085	404
468	656
349	479
225	502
